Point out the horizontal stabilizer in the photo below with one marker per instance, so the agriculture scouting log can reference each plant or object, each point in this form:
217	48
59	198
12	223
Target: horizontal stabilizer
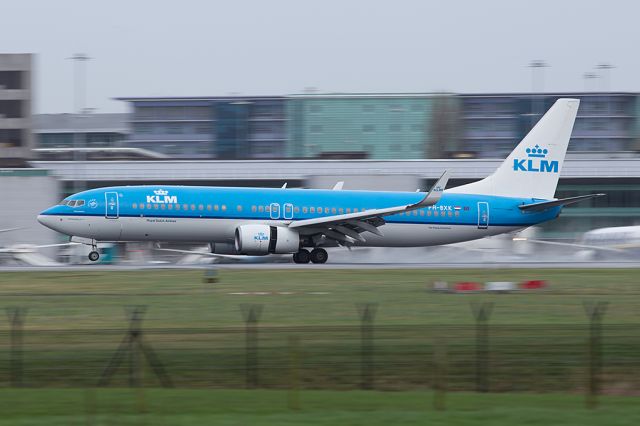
543	205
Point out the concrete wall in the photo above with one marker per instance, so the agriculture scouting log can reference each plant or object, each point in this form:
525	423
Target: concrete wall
24	194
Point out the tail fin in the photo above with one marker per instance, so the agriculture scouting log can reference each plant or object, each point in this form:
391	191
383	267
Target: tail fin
533	167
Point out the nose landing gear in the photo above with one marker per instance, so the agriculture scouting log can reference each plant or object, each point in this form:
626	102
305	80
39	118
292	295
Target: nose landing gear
94	256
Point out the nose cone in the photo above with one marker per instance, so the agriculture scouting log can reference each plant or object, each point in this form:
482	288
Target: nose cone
46	220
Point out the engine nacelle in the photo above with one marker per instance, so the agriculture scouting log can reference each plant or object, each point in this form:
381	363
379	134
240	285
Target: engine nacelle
265	239
223	248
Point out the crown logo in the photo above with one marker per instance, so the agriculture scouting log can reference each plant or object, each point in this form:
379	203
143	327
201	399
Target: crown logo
160	192
537	152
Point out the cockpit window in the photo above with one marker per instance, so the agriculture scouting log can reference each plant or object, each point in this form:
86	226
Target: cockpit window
72	203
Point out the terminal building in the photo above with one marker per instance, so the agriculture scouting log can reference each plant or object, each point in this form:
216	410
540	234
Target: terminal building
16	137
379	126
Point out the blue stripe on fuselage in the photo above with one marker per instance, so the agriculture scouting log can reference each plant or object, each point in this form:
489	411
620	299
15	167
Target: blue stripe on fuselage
295	204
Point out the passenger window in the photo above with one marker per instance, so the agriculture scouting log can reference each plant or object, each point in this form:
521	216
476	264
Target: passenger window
224	207
134	206
163	206
148	206
421	212
215	207
304	210
254	208
341	210
208	207
155	207
185	206
348	209
296	210
239	208
200	207
170	206
415	212
326	210
177	206
312	209
428	212
260	209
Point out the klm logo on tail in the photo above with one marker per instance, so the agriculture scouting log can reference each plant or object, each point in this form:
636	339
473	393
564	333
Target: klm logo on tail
536	162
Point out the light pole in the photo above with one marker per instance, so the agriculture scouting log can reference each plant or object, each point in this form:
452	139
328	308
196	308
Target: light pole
79	89
605	72
537	84
588	76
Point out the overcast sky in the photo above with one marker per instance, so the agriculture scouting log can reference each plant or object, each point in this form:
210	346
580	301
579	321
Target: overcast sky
202	48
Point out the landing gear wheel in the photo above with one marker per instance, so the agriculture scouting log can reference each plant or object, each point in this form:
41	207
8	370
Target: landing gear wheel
302	256
319	255
94	256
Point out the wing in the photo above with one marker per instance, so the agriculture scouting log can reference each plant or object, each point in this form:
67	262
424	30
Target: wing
345	229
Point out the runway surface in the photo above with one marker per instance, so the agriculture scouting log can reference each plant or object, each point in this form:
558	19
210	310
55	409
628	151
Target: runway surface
332	266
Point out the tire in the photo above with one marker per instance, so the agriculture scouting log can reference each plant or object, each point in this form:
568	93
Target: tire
94	256
303	256
319	255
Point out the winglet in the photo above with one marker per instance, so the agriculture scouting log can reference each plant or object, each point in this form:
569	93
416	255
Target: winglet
284	186
338	186
435	192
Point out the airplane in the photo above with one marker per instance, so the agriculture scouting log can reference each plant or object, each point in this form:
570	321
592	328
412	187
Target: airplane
27	253
303	222
620	242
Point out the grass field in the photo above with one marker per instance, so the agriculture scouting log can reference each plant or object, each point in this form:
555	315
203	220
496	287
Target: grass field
197	407
178	298
538	340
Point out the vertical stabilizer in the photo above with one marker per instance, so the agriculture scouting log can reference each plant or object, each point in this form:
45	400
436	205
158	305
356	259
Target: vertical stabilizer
533	167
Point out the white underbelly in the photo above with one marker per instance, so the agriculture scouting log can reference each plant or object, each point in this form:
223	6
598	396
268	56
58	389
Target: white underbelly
223	231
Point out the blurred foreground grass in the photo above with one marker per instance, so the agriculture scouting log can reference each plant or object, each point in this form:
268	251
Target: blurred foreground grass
268	407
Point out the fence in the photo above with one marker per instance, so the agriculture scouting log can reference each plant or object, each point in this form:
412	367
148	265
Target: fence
591	358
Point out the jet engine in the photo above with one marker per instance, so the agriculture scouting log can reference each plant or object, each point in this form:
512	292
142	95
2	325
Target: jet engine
265	239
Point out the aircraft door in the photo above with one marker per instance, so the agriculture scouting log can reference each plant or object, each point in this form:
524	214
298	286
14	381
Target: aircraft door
274	211
112	207
288	211
483	215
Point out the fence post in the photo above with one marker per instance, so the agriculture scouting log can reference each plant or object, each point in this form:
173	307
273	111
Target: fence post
251	314
367	313
482	312
439	373
595	311
293	397
134	345
16	318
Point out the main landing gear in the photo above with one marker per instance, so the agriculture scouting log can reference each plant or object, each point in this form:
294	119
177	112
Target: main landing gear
317	255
